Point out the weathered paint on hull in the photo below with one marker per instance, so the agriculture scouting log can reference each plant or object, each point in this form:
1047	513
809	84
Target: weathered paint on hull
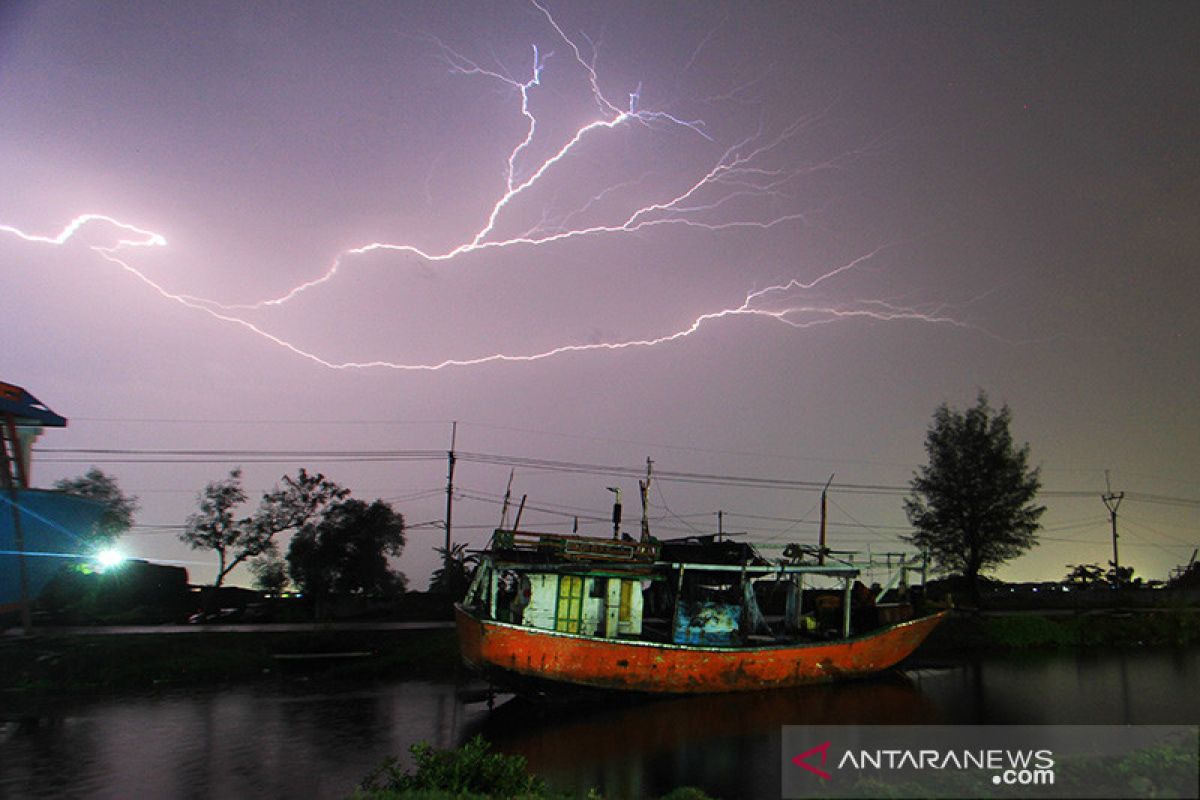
637	666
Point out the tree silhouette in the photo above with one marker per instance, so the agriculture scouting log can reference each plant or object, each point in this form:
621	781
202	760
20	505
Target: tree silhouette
215	527
346	553
119	507
972	503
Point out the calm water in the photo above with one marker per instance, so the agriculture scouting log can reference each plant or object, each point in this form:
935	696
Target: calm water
303	740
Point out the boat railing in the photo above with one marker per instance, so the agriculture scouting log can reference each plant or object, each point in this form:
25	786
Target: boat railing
573	547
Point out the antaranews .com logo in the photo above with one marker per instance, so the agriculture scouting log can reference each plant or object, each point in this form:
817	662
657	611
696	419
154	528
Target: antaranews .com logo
991	761
1012	767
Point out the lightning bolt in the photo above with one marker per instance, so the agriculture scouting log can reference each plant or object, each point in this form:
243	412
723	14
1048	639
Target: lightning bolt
743	170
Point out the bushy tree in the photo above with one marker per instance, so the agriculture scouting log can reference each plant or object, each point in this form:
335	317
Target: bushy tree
972	504
215	526
454	576
270	573
346	552
119	507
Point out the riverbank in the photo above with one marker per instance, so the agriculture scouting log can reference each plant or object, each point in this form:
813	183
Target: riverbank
86	662
148	657
967	632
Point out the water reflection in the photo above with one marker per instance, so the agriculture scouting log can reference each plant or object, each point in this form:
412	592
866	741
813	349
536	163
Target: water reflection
729	744
301	739
249	741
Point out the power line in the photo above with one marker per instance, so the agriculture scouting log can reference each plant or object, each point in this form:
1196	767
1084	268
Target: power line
200	456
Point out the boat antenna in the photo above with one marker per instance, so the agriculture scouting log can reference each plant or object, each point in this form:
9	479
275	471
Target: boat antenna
507	497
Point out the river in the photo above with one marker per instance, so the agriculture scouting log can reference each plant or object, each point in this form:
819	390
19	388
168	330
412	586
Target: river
297	738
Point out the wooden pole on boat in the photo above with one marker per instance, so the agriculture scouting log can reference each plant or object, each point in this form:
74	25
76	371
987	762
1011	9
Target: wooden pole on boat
520	511
846	607
507	496
821	544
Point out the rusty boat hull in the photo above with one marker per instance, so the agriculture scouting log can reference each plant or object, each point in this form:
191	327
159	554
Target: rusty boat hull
518	655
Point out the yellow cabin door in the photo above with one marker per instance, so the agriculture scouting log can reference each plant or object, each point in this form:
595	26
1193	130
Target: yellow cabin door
568	615
626	612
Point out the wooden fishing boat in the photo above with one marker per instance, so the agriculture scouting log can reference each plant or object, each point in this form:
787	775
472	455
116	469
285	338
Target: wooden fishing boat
551	611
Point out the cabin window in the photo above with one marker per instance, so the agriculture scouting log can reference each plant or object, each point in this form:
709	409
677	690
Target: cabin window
568	616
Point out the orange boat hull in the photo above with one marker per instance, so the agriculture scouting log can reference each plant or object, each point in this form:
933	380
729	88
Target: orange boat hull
504	650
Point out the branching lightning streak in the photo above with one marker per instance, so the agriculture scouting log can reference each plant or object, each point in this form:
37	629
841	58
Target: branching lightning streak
741	171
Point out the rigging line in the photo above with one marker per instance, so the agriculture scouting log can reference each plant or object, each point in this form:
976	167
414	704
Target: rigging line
198	421
239	460
687	524
835	504
881	526
225	452
796	523
529	507
563	506
687	448
707	478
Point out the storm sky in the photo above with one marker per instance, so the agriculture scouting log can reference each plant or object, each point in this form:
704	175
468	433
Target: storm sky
833	216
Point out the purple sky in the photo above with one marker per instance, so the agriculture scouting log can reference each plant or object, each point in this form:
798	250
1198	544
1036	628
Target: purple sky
1017	187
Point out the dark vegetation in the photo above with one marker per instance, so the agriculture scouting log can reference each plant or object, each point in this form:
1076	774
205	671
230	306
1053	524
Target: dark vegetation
966	633
972	504
119	507
470	772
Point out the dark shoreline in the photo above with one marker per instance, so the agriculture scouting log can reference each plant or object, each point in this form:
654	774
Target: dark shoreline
149	658
89	662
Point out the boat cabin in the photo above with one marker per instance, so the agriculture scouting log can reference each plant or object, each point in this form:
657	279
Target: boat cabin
619	589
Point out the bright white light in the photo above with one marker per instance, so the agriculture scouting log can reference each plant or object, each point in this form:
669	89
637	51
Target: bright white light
107	559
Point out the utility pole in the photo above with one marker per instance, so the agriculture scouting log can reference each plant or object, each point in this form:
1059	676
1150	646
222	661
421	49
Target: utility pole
644	486
821	544
1112	502
450	486
720	525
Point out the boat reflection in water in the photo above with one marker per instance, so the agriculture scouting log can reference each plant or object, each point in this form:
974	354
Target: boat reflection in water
729	744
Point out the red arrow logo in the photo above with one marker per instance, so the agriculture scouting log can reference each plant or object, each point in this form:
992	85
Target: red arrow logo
823	749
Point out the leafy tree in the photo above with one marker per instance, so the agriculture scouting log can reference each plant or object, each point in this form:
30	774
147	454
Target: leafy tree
454	576
346	552
1086	576
119	507
215	526
270	573
972	505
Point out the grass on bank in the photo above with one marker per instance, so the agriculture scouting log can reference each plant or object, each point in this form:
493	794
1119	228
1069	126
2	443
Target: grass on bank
965	632
470	772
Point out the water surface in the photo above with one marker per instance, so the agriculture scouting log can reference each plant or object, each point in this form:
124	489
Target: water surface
304	739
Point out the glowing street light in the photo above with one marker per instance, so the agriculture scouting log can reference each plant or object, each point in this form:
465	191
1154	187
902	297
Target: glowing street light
109	559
